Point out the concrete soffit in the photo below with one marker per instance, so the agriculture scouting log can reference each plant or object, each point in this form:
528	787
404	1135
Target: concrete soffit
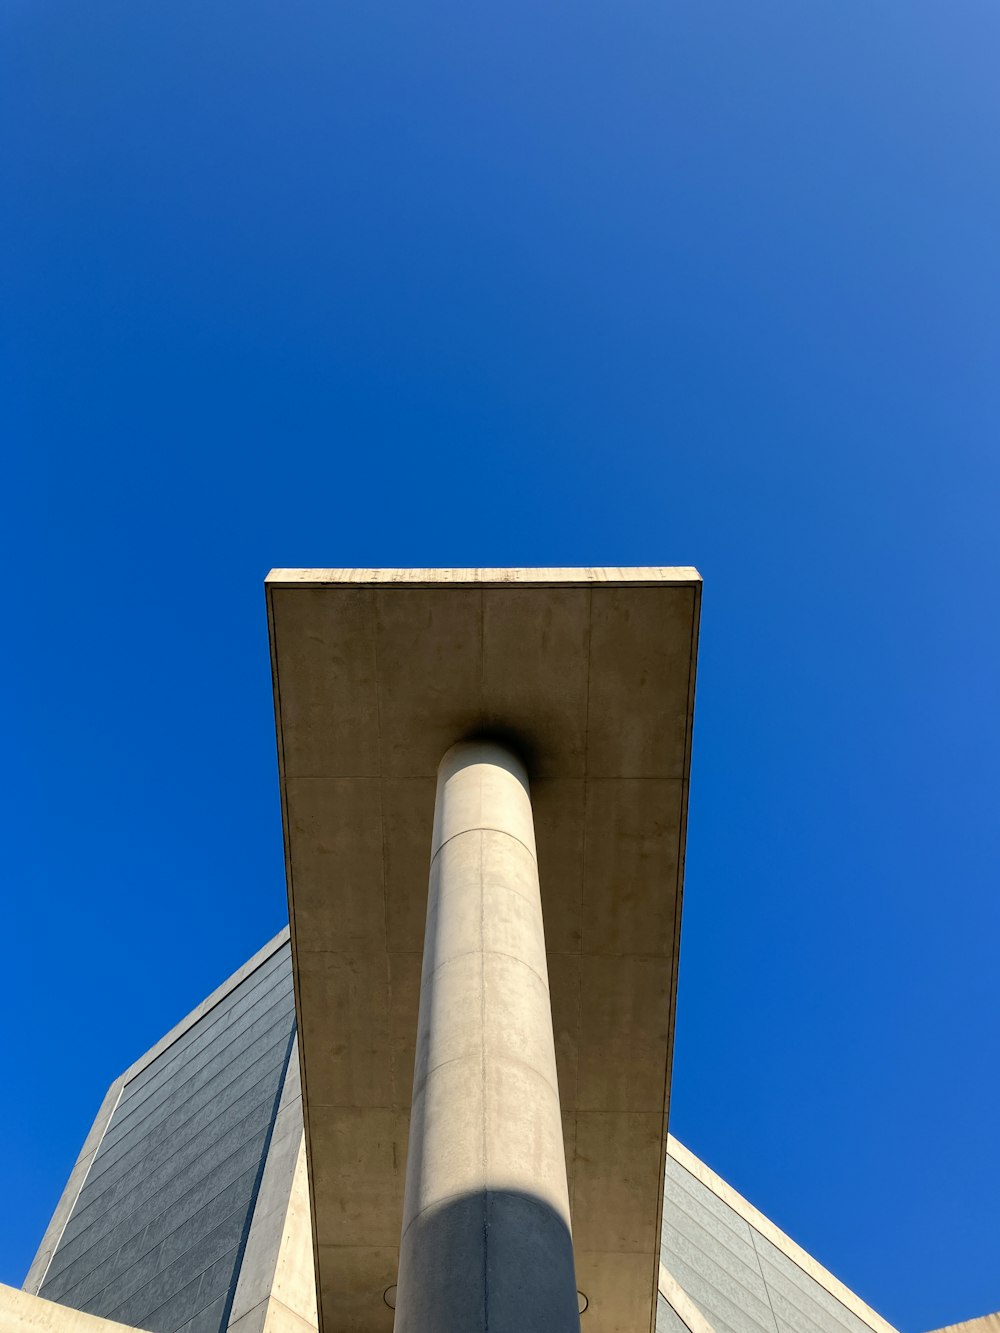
588	674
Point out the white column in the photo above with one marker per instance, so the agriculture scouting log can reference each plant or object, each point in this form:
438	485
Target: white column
486	1238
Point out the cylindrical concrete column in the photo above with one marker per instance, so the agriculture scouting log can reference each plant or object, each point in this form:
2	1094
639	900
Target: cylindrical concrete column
486	1238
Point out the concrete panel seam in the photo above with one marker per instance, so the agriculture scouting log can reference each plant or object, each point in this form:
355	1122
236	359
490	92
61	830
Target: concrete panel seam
681	1303
484	828
256	1189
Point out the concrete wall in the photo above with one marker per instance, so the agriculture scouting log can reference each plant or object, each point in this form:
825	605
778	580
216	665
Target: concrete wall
987	1323
22	1312
155	1235
276	1290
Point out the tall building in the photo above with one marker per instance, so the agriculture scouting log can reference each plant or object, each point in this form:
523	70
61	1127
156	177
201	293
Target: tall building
439	1104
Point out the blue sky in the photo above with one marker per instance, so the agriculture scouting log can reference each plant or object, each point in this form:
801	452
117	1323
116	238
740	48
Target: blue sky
304	283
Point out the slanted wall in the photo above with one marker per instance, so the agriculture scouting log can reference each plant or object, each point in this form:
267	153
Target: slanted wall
738	1271
155	1237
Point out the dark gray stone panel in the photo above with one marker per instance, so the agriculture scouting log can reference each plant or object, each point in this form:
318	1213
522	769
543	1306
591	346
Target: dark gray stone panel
155	1238
209	1319
268	980
216	1070
186	1268
218	1162
216	1280
178	1308
247	1089
165	1239
191	1076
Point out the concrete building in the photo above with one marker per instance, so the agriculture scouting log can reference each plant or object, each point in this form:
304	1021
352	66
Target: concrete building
439	1101
188	1209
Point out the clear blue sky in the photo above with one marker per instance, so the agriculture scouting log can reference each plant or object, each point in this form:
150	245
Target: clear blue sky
419	283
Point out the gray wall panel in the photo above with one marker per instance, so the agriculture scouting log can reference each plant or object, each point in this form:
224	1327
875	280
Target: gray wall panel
232	1042
209	1318
667	1320
268	979
164	1238
168	1208
250	1087
185	1167
687	1209
182	1269
712	1247
175	1106
689	1229
722	1301
819	1305
742	1287
739	1280
156	1234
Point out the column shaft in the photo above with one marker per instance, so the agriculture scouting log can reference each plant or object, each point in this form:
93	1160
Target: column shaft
486	1241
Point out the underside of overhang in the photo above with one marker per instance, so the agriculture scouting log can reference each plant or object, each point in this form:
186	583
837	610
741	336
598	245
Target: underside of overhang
589	674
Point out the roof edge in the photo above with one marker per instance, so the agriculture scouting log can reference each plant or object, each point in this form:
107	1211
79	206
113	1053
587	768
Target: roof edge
653	575
770	1231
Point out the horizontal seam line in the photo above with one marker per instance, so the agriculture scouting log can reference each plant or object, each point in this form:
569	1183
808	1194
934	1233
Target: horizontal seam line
484	828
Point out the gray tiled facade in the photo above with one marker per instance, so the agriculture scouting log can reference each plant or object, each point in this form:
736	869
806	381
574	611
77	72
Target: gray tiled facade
737	1278
155	1237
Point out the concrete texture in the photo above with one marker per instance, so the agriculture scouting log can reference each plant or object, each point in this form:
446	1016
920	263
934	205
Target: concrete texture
486	1239
987	1323
24	1312
276	1291
589	674
678	1310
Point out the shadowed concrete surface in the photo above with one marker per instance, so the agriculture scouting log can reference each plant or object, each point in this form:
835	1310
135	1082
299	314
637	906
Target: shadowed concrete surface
488	1260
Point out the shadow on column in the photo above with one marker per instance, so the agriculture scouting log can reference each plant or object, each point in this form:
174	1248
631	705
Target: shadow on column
500	1260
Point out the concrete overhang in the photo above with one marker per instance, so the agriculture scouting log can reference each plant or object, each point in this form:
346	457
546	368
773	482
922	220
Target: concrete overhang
589	673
